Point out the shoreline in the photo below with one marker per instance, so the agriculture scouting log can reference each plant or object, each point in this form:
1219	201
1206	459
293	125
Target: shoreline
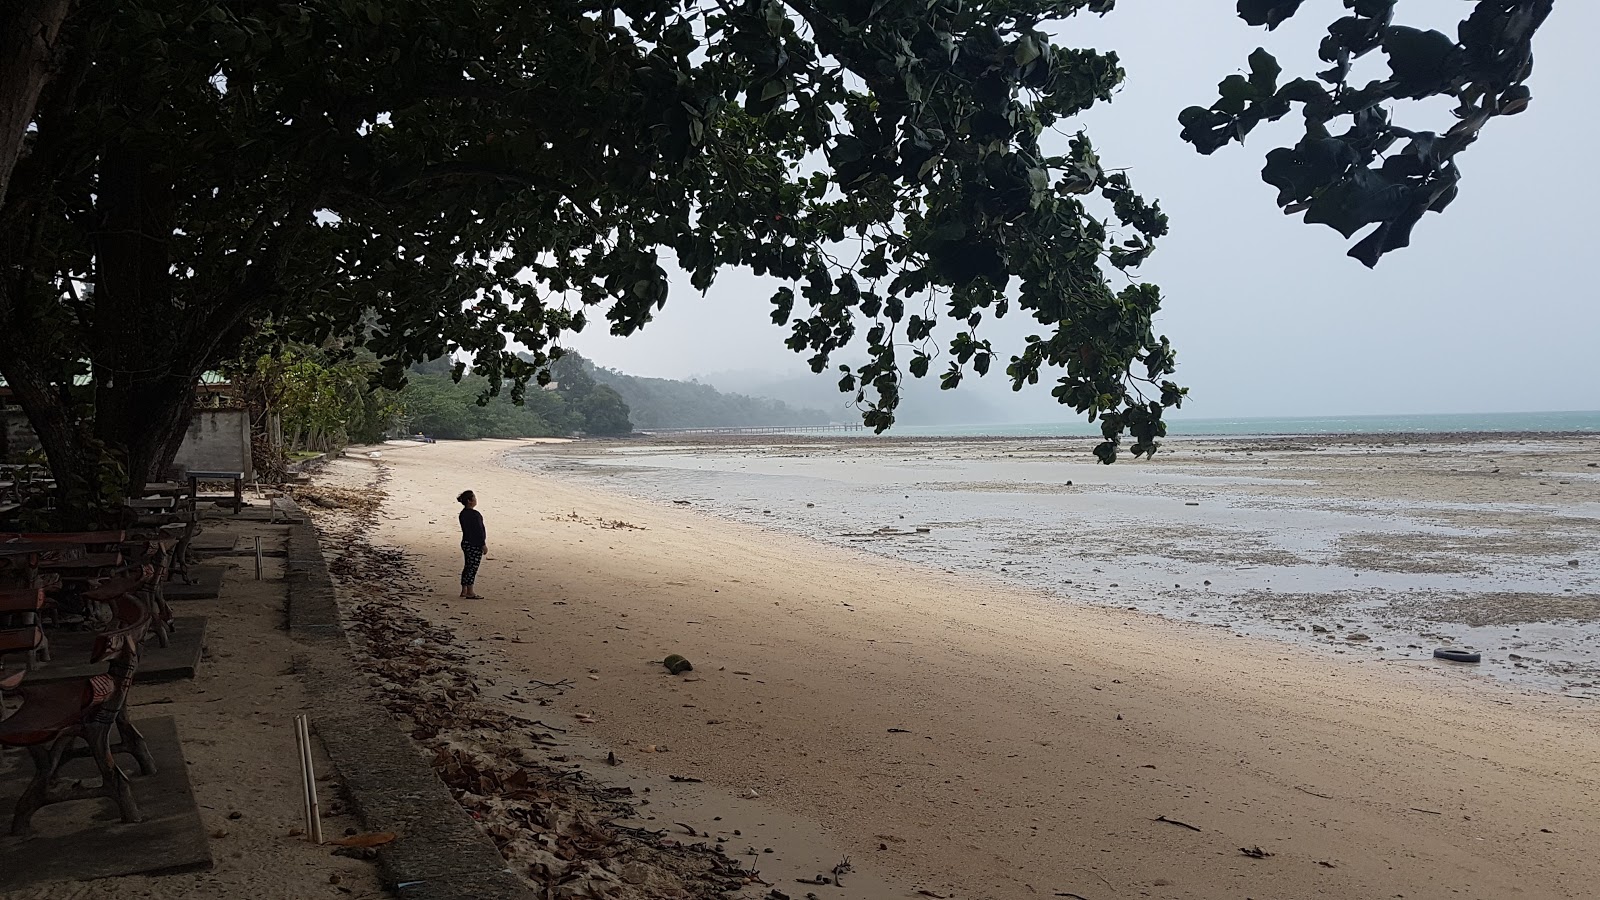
1363	548
1384	438
1041	742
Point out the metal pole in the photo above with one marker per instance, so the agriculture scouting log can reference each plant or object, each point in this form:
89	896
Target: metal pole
308	773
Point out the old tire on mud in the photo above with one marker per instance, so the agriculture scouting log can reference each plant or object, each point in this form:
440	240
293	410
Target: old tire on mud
1461	656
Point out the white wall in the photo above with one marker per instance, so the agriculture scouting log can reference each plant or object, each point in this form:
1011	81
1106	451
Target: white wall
218	440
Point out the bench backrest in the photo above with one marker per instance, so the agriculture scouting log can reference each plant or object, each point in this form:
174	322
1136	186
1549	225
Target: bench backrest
120	646
92	538
21	599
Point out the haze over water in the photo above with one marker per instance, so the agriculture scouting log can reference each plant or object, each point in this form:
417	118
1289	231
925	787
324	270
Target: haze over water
1434	423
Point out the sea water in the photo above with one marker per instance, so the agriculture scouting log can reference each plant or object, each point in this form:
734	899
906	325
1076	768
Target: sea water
1178	424
1247	547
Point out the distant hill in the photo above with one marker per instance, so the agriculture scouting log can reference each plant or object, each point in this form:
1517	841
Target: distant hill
666	403
921	400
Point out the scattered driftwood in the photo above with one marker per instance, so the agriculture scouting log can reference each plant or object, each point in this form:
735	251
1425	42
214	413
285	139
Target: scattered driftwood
1255	852
556	686
613	524
1431	812
686	779
1071	894
885	532
843	868
1313	793
1175	822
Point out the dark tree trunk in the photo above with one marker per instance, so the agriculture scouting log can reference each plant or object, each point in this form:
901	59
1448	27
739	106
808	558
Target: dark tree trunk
143	351
146	419
28	32
67	446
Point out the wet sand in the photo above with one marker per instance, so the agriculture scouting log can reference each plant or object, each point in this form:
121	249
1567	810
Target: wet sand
1384	547
974	738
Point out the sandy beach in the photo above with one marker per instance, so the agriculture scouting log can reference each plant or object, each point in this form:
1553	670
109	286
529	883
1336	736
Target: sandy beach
972	738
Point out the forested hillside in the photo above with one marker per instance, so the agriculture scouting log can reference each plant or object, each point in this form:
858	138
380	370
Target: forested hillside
665	403
436	405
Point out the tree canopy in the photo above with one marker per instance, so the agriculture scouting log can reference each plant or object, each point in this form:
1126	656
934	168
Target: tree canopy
1350	180
469	177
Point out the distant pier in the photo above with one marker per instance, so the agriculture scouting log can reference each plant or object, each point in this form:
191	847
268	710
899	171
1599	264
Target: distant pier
760	429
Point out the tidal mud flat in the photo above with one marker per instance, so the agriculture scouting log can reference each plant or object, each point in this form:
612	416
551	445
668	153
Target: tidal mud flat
1381	546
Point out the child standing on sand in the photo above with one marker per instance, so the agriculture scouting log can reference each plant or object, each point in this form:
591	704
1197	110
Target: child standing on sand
474	542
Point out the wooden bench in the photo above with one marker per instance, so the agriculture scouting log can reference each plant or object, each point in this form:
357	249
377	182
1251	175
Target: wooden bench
150	564
92	540
236	477
21	629
88	565
147	504
174	489
55	717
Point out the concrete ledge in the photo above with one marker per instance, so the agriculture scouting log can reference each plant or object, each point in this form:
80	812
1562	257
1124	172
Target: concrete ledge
440	854
313	609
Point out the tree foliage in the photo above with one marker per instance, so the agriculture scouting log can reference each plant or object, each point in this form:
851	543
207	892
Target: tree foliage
1350	180
436	404
447	177
325	397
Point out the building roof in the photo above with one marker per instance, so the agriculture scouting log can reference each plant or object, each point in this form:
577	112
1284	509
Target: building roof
207	379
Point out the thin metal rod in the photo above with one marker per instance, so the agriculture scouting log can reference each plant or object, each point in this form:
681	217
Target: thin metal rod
305	782
309	775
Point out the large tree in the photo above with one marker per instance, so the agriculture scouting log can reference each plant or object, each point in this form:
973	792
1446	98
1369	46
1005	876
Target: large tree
443	176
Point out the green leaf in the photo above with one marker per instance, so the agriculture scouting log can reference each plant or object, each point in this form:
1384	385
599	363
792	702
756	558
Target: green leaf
1264	72
1423	62
1026	50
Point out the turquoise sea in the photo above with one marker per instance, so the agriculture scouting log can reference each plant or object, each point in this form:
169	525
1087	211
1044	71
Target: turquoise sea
1436	423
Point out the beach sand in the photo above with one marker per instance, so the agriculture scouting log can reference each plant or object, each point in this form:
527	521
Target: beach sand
976	740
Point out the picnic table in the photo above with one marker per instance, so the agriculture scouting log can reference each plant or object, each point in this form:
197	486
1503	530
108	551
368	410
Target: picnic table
236	477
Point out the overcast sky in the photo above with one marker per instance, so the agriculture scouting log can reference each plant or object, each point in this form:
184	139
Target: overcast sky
1490	309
